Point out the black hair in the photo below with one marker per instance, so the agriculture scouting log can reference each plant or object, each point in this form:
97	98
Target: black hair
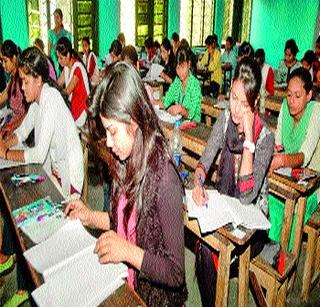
86	39
249	73
260	56
33	62
183	55
230	40
246	50
210	40
115	47
304	75
59	12
129	53
309	57
64	47
291	44
9	49
148	43
175	37
318	40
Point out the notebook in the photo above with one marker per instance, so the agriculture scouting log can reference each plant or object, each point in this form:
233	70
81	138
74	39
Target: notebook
67	258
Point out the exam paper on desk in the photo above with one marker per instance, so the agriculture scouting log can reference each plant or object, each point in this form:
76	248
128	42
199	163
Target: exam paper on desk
222	210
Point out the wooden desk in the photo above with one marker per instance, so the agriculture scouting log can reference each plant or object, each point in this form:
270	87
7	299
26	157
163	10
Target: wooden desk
281	91
273	103
12	197
209	109
295	196
225	243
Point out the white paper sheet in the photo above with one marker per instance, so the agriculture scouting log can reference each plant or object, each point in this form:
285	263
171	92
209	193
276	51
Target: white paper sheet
154	73
166	116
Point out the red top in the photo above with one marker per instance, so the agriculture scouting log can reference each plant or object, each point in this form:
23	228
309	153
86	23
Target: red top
270	82
79	95
92	66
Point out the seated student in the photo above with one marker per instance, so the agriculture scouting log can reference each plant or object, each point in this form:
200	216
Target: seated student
184	94
193	68
57	144
114	53
13	92
245	50
89	58
74	80
175	41
267	84
167	61
211	61
152	52
40	45
298	135
316	63
229	57
246	145
308	60
145	226
289	63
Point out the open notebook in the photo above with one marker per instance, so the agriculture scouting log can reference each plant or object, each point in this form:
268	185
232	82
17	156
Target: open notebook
72	273
222	210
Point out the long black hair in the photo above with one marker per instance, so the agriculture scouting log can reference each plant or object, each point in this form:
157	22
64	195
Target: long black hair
33	62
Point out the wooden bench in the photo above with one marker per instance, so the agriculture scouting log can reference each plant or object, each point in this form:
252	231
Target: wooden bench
311	271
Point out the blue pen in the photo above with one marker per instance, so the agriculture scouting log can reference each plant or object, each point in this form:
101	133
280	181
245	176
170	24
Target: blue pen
202	188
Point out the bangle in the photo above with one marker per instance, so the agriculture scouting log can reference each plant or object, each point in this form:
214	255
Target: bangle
6	153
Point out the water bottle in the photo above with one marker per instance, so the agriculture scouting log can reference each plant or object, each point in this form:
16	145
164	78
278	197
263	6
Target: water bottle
175	144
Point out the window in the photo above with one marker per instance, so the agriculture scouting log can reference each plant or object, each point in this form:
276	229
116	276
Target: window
196	20
237	19
151	20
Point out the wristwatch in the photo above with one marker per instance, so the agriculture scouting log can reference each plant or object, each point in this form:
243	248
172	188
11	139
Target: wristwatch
249	145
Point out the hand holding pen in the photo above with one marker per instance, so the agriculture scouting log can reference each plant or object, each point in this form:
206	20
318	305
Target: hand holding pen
203	192
199	193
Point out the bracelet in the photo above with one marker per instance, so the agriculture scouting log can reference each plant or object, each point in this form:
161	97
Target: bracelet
6	153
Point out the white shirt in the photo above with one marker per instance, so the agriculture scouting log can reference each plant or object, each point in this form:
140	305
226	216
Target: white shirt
57	144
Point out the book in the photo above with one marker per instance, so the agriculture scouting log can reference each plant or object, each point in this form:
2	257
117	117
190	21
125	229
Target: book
222	210
68	258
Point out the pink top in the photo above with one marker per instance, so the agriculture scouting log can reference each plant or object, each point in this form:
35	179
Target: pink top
131	235
52	72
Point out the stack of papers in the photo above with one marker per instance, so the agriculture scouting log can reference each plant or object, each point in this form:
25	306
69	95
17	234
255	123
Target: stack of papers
166	116
154	73
72	273
222	210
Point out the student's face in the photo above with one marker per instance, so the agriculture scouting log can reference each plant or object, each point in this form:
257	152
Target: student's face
306	65
239	104
57	20
31	86
85	47
164	54
183	70
120	136
63	60
289	57
228	46
297	97
9	65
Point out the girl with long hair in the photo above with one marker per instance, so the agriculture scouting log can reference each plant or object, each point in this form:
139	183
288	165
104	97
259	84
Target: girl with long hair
74	79
145	225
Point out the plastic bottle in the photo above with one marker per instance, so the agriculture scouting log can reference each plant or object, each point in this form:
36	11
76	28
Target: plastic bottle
175	144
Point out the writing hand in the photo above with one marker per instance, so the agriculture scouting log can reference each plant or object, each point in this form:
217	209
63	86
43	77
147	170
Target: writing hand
76	209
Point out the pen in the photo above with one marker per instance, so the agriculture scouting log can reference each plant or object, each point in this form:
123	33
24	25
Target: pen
202	188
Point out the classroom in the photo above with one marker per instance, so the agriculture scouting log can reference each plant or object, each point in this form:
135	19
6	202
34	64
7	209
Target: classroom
160	153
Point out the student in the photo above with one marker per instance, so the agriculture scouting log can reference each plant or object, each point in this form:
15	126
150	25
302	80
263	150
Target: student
147	214
57	145
229	57
316	63
114	53
74	80
167	61
122	39
247	147
175	41
184	94
40	45
211	60
245	50
289	63
298	136
53	37
308	60
267	84
152	52
89	58
13	92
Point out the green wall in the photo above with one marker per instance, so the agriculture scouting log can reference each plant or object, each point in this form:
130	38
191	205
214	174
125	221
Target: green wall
173	17
218	19
274	22
14	22
108	24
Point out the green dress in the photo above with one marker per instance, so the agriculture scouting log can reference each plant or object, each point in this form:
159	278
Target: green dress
292	140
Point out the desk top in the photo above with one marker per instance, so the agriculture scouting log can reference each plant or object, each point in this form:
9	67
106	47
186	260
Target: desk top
16	197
